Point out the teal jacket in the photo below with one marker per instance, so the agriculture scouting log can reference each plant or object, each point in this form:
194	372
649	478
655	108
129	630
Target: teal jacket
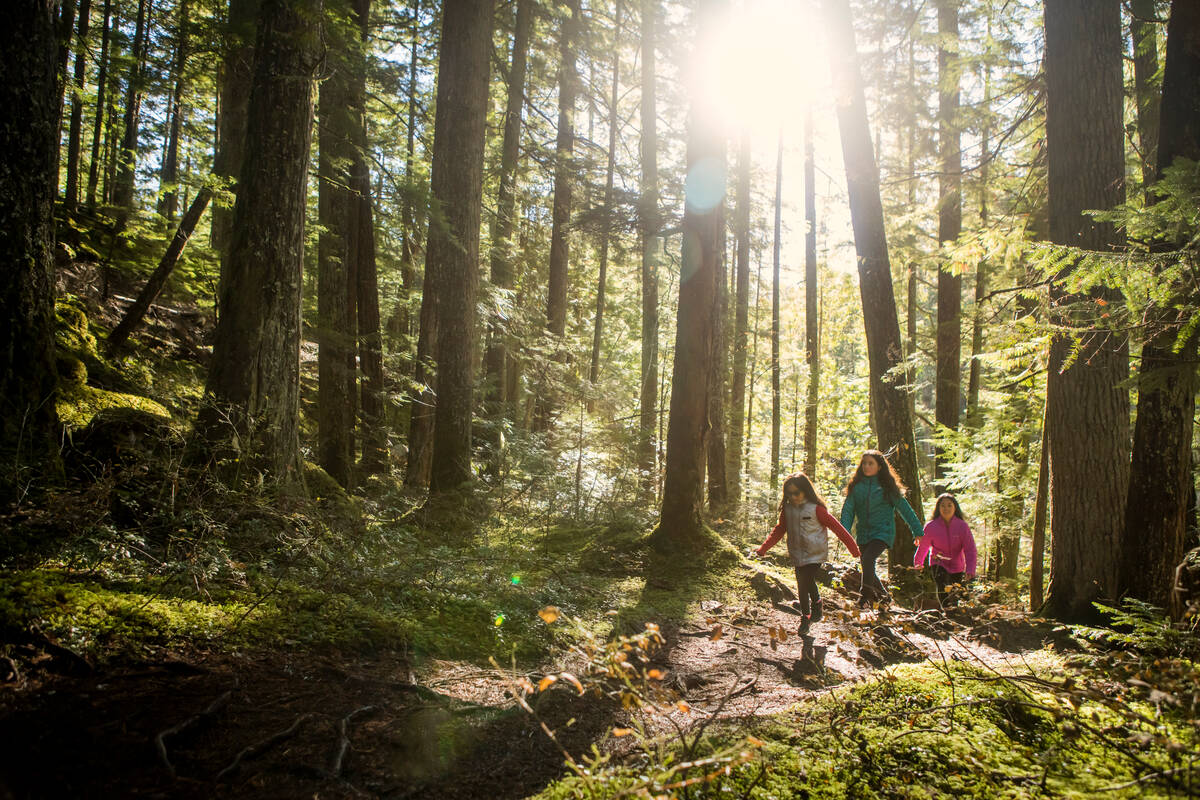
875	516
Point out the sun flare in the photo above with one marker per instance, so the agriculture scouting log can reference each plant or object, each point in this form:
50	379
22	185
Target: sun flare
763	64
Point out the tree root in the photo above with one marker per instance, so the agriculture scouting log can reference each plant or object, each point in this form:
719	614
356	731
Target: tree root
339	756
257	749
160	741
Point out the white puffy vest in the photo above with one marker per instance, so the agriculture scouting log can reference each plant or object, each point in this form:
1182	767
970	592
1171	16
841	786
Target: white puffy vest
807	541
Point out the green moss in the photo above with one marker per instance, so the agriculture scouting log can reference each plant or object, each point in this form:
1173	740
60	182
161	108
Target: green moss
77	404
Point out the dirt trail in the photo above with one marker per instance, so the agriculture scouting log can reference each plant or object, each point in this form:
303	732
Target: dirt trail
295	724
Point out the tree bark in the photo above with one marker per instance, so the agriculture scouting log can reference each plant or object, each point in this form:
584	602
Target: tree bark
169	203
75	131
1160	483
884	348
718	483
1089	464
741	319
127	154
648	400
680	527
812	341
776	253
253	382
564	178
101	97
949	310
236	71
1040	507
338	112
452	260
1143	31
401	326
28	379
504	223
158	279
609	173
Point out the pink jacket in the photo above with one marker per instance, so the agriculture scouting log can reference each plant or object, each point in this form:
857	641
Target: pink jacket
953	546
823	517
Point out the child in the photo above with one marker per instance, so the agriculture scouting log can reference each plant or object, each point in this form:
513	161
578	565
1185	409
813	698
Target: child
873	497
949	542
804	518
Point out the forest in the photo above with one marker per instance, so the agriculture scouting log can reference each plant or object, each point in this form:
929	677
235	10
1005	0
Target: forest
517	399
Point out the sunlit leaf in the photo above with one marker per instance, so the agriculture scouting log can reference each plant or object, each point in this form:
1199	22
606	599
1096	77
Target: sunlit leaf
655	675
716	634
684	707
549	614
545	682
571	679
622	731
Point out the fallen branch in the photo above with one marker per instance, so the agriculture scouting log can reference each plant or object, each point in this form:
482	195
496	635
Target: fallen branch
335	767
1166	773
160	741
257	749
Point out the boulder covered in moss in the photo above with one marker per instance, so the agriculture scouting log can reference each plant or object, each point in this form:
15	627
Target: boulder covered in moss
120	435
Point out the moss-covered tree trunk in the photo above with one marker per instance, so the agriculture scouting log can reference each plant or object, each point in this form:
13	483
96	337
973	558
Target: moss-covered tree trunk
253	382
29	142
1089	463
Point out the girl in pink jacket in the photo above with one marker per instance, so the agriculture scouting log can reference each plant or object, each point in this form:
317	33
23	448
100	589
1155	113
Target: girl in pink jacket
804	519
948	542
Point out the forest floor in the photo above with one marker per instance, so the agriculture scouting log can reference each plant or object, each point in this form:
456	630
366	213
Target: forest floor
293	723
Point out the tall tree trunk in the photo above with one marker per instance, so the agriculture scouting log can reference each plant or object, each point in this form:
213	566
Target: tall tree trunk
400	324
1160	483
777	249
812	342
718	481
1143	31
504	223
237	68
981	268
338	112
741	317
452	262
949	311
254	379
28	380
66	30
564	179
649	216
1089	464
609	172
680	527
1040	507
158	279
101	107
75	132
372	430
127	155
169	203
884	348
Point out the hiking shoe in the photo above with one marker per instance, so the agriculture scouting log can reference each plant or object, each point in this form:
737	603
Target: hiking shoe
805	622
816	612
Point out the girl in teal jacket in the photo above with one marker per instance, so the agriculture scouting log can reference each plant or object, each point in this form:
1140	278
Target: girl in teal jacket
873	498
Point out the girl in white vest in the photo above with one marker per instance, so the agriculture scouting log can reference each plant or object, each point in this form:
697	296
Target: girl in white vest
805	520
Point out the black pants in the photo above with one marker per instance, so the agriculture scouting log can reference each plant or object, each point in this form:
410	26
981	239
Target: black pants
872	587
943	578
806	585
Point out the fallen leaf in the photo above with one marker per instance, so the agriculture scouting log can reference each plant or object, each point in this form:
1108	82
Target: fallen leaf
549	614
545	682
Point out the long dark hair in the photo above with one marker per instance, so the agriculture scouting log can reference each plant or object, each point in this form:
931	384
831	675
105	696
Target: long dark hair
801	482
938	504
889	479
